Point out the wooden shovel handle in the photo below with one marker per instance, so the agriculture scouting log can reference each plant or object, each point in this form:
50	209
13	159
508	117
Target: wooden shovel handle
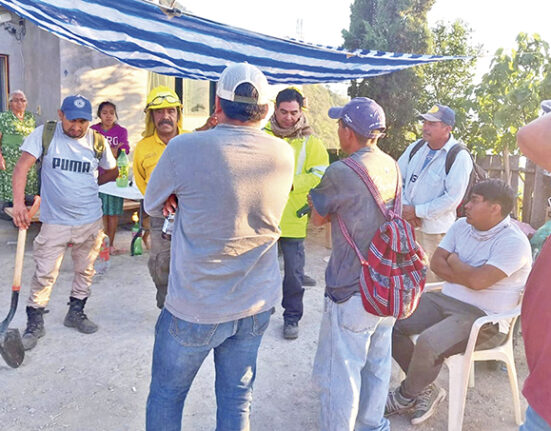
20	252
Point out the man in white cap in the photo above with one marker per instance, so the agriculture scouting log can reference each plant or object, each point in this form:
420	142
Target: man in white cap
231	184
70	210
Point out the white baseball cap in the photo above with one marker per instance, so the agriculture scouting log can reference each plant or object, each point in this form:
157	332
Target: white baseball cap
239	73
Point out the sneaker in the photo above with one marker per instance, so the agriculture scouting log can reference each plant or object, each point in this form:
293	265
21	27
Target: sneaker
396	403
308	281
426	403
290	330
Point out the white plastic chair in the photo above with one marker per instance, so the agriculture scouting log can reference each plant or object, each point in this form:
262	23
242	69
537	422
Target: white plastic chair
461	366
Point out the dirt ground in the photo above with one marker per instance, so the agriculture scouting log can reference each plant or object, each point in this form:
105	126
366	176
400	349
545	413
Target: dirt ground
99	382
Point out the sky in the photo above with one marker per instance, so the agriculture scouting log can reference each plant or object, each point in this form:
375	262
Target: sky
495	23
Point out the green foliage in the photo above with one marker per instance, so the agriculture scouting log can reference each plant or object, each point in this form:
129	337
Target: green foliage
451	82
319	99
397	26
509	95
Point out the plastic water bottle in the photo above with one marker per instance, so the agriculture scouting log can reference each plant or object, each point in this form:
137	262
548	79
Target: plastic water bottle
137	248
168	227
123	165
102	262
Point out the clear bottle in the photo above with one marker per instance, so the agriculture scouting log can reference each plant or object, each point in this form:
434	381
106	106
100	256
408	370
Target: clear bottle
123	165
168	227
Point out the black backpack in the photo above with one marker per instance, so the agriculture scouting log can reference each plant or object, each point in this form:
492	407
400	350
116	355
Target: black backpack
477	174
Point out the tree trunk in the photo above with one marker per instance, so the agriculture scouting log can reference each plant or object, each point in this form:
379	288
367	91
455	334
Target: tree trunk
506	166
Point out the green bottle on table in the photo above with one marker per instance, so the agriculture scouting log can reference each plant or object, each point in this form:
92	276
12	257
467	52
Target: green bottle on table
123	165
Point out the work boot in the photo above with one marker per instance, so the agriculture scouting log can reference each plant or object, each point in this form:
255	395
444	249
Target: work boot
35	327
308	281
290	330
76	318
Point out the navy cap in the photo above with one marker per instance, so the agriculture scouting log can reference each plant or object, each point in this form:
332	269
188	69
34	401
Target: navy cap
546	106
440	113
77	107
361	114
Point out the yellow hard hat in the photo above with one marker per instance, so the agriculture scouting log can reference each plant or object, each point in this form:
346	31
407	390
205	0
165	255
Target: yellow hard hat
162	97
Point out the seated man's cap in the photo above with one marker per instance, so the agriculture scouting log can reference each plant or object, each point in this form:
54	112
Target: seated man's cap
239	73
440	113
77	107
362	115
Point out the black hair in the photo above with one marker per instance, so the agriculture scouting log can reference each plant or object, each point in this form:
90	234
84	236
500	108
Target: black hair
104	104
290	95
244	112
496	191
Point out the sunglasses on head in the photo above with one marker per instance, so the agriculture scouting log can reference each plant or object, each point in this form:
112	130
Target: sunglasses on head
161	98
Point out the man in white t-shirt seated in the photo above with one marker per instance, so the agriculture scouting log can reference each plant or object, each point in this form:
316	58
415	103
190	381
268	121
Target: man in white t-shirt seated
485	261
70	210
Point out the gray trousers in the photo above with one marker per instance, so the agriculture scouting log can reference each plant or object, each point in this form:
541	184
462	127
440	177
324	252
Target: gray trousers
159	259
444	325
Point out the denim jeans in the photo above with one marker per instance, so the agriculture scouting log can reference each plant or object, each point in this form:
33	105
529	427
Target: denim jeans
180	349
352	367
534	422
293	268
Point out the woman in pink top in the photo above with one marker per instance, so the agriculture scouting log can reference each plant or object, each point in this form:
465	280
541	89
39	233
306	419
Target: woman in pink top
117	138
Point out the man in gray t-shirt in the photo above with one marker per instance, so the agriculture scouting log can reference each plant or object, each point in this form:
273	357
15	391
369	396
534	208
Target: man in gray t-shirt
231	184
352	364
70	210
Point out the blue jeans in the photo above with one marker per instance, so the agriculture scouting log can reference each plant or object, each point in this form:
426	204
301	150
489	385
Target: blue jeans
534	422
180	349
293	268
352	367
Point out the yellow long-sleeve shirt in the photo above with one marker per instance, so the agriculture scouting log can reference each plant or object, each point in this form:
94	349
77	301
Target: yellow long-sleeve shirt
146	156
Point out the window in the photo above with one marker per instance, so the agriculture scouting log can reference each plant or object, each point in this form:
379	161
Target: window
3	82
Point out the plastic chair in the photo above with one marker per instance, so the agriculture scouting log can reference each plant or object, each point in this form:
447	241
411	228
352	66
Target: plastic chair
461	366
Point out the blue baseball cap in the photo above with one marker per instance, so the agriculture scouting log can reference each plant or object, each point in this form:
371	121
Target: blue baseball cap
77	107
440	113
361	114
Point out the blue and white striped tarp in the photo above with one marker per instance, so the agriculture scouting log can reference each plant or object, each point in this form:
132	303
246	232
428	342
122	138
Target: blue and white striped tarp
140	34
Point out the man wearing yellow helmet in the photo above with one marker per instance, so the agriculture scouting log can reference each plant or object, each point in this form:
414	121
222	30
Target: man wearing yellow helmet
163	121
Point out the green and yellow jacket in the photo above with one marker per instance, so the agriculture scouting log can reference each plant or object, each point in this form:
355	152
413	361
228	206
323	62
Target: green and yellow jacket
311	160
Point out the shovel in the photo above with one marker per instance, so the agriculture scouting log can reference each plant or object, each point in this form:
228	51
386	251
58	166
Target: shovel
11	346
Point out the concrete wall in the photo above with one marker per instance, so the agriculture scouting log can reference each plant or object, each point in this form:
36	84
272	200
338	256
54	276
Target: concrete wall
99	77
33	66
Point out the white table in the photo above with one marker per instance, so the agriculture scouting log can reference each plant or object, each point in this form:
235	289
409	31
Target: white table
131	192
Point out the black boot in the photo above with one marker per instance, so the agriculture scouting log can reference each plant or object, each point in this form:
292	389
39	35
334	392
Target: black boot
35	327
76	318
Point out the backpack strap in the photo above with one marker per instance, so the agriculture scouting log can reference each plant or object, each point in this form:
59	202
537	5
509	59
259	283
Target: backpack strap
99	145
416	148
47	136
361	171
452	154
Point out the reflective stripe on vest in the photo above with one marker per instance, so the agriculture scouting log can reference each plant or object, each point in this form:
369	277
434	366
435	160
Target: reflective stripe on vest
301	157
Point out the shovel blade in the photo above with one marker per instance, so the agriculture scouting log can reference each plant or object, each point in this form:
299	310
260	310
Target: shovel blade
11	348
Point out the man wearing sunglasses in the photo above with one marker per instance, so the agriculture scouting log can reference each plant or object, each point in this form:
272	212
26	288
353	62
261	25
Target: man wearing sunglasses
163	121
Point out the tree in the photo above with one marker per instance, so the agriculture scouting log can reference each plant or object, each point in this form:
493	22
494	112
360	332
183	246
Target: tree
451	82
319	99
397	26
509	95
